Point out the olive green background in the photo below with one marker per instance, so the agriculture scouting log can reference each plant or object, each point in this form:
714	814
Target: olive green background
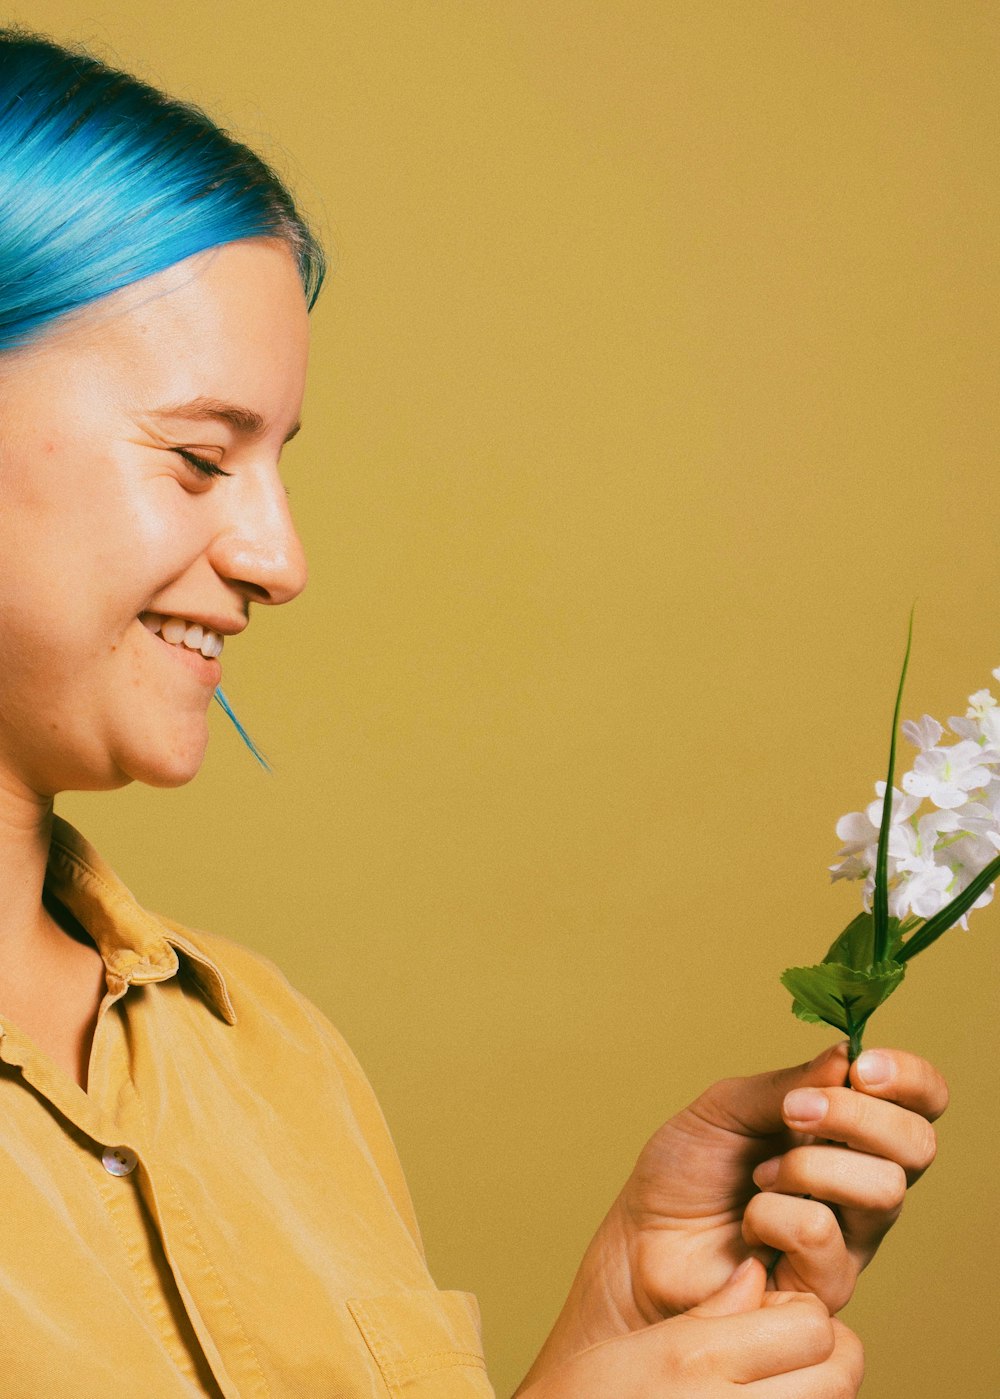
656	378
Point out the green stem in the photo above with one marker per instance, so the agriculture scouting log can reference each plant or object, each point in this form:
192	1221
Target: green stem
880	907
855	1030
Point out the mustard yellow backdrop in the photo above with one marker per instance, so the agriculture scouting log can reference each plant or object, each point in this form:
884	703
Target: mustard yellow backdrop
655	379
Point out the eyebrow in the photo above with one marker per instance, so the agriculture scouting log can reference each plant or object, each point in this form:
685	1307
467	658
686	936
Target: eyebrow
205	410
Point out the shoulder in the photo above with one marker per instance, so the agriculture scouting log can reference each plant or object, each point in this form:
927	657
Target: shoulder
257	989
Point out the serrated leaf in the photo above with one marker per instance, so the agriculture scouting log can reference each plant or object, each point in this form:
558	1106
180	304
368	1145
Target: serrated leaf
855	947
799	1009
838	995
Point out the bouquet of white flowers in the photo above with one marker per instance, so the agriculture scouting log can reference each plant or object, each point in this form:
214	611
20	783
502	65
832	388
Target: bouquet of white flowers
923	869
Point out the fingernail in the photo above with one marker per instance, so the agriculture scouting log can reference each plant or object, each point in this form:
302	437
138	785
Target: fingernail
875	1069
805	1105
767	1172
739	1272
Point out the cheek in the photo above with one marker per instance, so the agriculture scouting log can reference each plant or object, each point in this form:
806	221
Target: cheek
73	581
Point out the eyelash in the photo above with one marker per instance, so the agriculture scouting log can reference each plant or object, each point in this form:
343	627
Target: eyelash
207	468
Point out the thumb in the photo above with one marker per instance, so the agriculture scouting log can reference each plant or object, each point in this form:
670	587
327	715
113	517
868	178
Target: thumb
743	1291
753	1105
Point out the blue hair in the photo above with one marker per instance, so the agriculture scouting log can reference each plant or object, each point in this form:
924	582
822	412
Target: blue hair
104	181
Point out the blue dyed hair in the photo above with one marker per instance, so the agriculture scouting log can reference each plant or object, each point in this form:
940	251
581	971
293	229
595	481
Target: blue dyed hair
104	180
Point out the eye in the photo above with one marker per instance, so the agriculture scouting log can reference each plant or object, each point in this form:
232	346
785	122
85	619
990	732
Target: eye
207	468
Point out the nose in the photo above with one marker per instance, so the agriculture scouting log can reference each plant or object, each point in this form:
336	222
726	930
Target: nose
258	549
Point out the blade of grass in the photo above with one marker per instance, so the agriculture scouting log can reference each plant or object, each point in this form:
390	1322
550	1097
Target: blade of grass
950	914
880	906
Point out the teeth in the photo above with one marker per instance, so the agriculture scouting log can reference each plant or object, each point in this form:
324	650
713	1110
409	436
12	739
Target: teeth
178	632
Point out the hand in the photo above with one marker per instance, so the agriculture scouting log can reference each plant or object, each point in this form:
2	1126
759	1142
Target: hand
691	1210
766	1345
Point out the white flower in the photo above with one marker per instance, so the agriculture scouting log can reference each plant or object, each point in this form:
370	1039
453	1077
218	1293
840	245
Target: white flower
985	712
934	855
926	734
969	855
948	775
980	702
981	820
923	889
859	829
981	724
859	832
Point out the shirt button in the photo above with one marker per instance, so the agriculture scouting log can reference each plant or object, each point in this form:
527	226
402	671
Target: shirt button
119	1160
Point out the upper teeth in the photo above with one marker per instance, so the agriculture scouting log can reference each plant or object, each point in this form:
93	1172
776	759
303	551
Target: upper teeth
179	632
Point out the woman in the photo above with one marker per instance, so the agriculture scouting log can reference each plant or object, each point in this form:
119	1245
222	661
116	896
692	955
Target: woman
201	1194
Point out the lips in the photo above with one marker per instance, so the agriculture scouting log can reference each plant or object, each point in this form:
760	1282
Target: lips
207	669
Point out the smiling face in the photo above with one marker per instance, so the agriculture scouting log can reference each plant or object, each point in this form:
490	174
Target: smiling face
104	521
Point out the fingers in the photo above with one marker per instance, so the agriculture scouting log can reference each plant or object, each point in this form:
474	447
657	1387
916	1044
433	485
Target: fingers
743	1291
758	1106
837	1377
864	1123
853	1179
901	1078
789	1334
814	1254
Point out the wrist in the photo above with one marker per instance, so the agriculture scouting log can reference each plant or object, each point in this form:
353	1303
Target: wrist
599	1305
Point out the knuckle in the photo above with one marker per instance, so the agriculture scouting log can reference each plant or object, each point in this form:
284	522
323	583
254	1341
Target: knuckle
717	1102
817	1330
838	1288
817	1228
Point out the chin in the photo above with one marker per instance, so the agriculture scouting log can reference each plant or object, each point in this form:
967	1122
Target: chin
168	774
165	765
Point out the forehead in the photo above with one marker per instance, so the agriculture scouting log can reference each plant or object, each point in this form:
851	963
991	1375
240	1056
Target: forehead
229	324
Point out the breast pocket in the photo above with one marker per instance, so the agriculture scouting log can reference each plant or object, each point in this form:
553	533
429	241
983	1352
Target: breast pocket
427	1344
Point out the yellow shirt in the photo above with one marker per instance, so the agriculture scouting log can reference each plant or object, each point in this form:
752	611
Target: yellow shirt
222	1212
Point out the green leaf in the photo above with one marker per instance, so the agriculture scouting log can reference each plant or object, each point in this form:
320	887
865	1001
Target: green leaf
881	898
838	995
950	914
855	947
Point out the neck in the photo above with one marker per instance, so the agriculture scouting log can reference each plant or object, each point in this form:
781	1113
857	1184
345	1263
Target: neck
25	837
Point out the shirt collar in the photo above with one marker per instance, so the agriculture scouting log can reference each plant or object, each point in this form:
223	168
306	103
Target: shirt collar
135	944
